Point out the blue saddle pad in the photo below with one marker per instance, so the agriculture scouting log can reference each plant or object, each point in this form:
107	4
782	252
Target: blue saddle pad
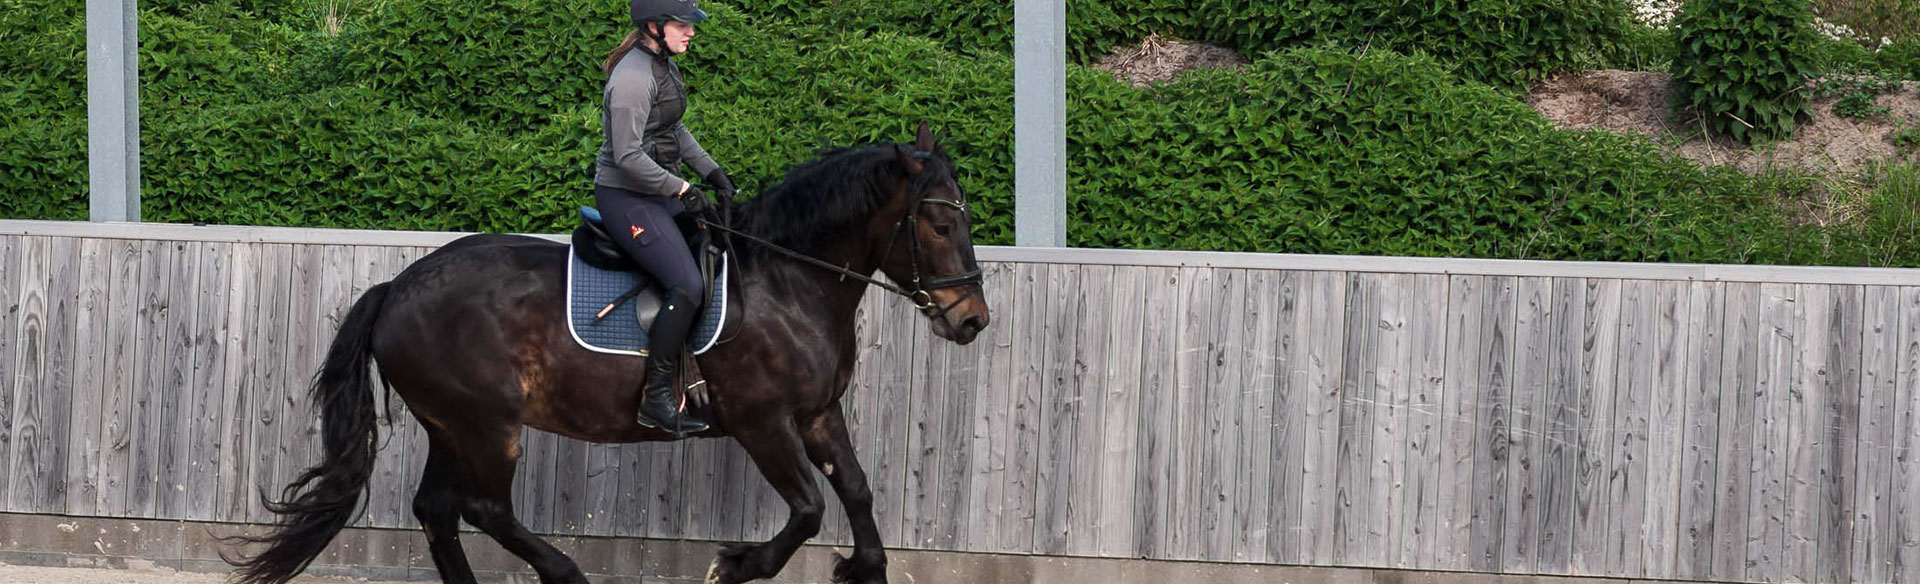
590	289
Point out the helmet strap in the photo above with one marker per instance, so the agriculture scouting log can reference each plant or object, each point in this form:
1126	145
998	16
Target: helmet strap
657	31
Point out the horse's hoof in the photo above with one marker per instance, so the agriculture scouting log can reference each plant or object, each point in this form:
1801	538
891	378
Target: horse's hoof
847	571
726	567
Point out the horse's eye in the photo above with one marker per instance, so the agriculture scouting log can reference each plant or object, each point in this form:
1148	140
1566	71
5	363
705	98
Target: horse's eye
942	230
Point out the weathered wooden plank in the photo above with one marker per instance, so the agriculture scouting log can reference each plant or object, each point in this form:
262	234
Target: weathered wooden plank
1288	432
901	336
1600	353
1906	472
570	474
1154	449
57	432
1218	444
1778	362
1092	377
1806	407
1735	448
157	350
84	447
202	441
171	462
1192	362
966	380
603	489
123	349
1533	321
1393	348
926	398
1627	466
1494	410
268	391
12	250
1701	393
299	358
1322	335
1873	537
989	441
1120	422
1059	409
1419	514
1659	535
1466	323
541	467
1565	400
1255	419
244	300
1839	423
701	485
27	463
1352	543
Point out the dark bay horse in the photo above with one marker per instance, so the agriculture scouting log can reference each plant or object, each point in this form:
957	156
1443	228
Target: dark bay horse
472	337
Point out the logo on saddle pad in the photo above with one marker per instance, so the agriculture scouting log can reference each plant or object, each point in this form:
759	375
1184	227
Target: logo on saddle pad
637	230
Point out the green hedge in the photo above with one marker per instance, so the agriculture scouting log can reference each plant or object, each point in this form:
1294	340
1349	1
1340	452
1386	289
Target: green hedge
1308	150
1506	43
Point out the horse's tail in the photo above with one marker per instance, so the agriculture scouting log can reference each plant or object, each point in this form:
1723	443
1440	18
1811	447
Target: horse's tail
316	506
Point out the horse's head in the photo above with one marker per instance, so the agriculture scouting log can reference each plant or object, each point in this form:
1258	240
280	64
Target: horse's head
930	247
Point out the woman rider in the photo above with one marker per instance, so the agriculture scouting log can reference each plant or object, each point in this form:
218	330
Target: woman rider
638	190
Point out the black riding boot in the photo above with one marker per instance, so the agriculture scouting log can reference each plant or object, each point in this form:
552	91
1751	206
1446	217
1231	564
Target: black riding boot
667	340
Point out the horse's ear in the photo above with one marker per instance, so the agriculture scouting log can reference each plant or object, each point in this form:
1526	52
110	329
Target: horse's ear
907	160
923	138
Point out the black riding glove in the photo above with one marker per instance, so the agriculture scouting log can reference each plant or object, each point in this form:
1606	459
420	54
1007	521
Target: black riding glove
722	185
695	201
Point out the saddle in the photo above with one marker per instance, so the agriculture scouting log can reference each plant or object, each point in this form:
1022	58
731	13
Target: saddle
612	302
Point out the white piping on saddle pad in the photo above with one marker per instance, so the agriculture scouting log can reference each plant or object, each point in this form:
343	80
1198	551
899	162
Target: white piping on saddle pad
721	284
571	261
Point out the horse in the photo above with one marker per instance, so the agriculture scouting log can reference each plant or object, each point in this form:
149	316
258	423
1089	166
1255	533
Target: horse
471	337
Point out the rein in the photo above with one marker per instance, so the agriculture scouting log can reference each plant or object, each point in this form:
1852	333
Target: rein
919	295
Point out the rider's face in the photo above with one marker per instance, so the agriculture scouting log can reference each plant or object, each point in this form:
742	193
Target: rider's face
678	35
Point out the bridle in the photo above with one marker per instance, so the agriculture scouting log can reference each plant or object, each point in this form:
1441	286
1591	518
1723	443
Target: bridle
921	292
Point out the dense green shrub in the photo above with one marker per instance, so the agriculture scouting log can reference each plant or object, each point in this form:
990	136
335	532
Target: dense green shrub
1742	65
1329	152
1309	150
502	63
43	63
1502	42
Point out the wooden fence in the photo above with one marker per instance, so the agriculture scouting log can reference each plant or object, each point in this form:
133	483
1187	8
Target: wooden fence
1648	421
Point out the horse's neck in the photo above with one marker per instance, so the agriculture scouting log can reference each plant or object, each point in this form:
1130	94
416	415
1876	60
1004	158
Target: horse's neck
802	291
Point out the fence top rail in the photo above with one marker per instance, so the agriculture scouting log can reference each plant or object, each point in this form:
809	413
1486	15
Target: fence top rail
1053	255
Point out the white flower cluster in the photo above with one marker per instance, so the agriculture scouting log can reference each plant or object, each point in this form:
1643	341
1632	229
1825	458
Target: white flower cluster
1660	14
1655	13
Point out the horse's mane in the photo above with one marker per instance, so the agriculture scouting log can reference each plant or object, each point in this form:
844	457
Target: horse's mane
821	199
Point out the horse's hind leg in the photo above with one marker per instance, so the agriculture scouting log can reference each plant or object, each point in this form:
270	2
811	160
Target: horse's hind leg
831	448
487	503
436	505
776	449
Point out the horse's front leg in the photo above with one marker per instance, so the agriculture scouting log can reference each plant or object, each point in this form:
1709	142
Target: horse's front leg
831	448
776	449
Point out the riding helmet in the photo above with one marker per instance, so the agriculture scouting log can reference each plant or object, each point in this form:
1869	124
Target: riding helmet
686	11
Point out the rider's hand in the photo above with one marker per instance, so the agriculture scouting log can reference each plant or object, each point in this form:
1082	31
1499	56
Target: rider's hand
695	201
722	185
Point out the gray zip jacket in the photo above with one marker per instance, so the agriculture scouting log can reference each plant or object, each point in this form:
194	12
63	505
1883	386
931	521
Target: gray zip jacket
643	140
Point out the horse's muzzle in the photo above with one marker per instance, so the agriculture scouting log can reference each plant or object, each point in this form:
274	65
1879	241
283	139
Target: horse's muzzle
966	316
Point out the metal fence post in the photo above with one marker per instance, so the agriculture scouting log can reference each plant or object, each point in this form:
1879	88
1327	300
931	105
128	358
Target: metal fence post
1040	122
113	110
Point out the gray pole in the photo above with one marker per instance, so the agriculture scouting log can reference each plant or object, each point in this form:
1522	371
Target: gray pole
1040	123
113	110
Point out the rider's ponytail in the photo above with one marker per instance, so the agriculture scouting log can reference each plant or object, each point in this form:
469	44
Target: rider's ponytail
613	58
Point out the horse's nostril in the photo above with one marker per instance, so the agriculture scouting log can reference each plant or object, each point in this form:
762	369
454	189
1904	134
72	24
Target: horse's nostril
974	324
